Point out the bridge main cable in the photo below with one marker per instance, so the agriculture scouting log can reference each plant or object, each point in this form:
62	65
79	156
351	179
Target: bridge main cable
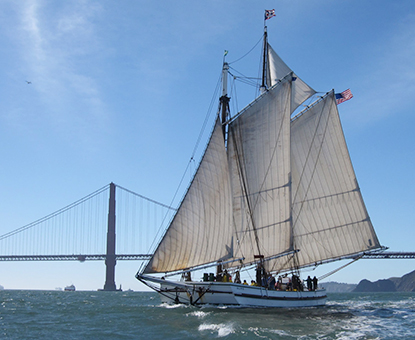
60	211
146	198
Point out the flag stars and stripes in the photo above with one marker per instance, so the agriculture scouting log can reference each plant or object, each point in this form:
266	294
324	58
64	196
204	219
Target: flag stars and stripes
344	96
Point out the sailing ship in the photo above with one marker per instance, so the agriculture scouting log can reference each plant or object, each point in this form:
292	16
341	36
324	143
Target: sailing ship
275	192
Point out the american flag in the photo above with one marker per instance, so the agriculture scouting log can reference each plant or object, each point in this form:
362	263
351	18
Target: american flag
342	97
269	13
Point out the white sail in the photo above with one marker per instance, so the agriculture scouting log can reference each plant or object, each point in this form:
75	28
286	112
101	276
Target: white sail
329	216
259	158
201	231
280	185
277	70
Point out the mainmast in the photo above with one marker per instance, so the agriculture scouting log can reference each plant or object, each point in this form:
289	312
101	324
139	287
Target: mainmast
224	99
263	87
269	13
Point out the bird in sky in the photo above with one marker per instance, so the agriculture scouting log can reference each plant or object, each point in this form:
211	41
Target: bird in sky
29	82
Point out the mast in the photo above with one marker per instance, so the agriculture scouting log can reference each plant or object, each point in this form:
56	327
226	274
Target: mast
224	99
264	61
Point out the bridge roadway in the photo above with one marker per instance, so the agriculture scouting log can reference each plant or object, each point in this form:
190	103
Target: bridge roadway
97	257
389	255
80	258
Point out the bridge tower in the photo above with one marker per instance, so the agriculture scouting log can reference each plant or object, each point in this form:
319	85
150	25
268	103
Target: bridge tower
110	257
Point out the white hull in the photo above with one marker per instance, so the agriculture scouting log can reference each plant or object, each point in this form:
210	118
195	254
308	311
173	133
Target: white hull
227	293
261	297
198	293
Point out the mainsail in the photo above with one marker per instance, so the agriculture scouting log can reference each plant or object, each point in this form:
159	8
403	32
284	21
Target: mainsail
329	216
278	184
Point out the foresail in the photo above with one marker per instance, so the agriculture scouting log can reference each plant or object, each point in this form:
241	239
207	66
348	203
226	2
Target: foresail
259	161
277	70
200	232
329	216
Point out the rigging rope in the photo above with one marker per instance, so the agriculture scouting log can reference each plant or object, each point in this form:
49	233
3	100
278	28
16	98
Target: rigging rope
253	81
208	113
260	40
336	270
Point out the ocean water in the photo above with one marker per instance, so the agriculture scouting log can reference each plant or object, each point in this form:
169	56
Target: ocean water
140	315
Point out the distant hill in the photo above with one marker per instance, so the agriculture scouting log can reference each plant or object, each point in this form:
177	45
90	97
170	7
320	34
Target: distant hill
336	287
377	286
405	283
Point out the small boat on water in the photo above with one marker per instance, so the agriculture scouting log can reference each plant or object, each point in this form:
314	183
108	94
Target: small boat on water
70	288
274	193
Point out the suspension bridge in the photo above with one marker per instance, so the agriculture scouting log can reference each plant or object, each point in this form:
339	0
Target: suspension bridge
110	224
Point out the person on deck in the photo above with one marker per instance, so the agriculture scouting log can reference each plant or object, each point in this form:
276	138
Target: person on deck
271	282
258	274
285	282
225	276
309	283
294	281
315	283
237	277
278	285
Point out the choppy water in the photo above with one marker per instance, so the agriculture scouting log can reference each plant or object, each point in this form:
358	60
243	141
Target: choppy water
137	315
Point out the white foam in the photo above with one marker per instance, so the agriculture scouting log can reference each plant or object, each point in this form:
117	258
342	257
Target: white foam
257	331
222	329
169	306
199	314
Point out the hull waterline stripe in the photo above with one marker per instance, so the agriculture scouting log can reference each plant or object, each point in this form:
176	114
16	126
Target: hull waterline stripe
251	296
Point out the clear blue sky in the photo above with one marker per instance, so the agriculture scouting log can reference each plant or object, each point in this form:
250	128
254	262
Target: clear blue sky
119	92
